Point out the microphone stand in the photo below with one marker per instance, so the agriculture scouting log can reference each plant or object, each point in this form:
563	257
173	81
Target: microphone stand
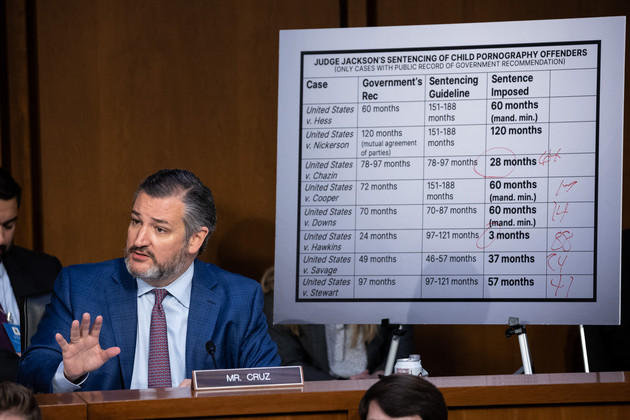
211	348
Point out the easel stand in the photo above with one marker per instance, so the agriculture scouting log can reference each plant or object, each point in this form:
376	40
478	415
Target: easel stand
584	353
517	329
393	348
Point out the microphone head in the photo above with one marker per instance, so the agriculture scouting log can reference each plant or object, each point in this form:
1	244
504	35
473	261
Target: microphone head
210	347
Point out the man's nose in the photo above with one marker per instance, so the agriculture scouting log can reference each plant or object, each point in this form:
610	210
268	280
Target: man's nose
142	237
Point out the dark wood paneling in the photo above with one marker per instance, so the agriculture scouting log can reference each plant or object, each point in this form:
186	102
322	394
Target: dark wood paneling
127	88
413	12
18	156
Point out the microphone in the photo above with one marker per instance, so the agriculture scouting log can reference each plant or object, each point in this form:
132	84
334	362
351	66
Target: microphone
211	348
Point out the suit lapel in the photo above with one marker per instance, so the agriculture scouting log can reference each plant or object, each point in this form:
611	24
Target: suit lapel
123	316
202	317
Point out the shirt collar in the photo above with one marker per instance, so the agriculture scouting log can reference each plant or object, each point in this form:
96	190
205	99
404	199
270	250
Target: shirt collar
180	289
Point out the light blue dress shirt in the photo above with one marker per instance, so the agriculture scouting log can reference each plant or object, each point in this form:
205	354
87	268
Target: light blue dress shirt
176	305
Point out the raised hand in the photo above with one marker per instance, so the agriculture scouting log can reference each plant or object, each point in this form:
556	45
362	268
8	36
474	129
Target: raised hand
83	354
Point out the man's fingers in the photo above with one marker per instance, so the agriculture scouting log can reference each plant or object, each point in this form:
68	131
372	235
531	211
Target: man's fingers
75	332
109	353
85	324
96	328
61	341
79	330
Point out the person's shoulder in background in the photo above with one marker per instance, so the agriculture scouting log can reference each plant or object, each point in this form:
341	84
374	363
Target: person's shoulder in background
31	272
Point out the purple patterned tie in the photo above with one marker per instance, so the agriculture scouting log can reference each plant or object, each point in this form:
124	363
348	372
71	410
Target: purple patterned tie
159	364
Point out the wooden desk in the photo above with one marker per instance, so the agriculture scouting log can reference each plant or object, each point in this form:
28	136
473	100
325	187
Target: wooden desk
60	406
541	396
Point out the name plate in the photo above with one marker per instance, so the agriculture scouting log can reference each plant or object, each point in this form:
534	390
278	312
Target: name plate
278	376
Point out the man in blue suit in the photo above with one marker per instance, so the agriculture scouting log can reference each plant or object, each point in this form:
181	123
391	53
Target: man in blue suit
211	314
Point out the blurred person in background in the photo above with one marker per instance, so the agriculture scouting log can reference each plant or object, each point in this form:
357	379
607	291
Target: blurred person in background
22	273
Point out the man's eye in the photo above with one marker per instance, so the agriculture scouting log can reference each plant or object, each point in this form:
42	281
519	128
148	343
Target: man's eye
9	226
135	221
160	229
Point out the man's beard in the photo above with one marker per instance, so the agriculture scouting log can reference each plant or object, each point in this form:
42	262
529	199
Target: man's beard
157	273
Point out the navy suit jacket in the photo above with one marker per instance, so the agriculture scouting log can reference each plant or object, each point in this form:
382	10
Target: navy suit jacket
224	307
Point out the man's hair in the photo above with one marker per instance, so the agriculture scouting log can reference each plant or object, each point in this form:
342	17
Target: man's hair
199	209
9	188
405	395
18	400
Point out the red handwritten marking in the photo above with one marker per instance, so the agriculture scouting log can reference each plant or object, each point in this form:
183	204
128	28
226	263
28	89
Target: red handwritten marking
488	154
559	211
567	186
481	237
558	262
547	156
560	286
562	242
569	288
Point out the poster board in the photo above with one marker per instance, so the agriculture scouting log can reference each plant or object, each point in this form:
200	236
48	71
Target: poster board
450	174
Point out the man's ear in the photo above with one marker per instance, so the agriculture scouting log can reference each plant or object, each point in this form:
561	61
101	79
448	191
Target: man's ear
196	240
